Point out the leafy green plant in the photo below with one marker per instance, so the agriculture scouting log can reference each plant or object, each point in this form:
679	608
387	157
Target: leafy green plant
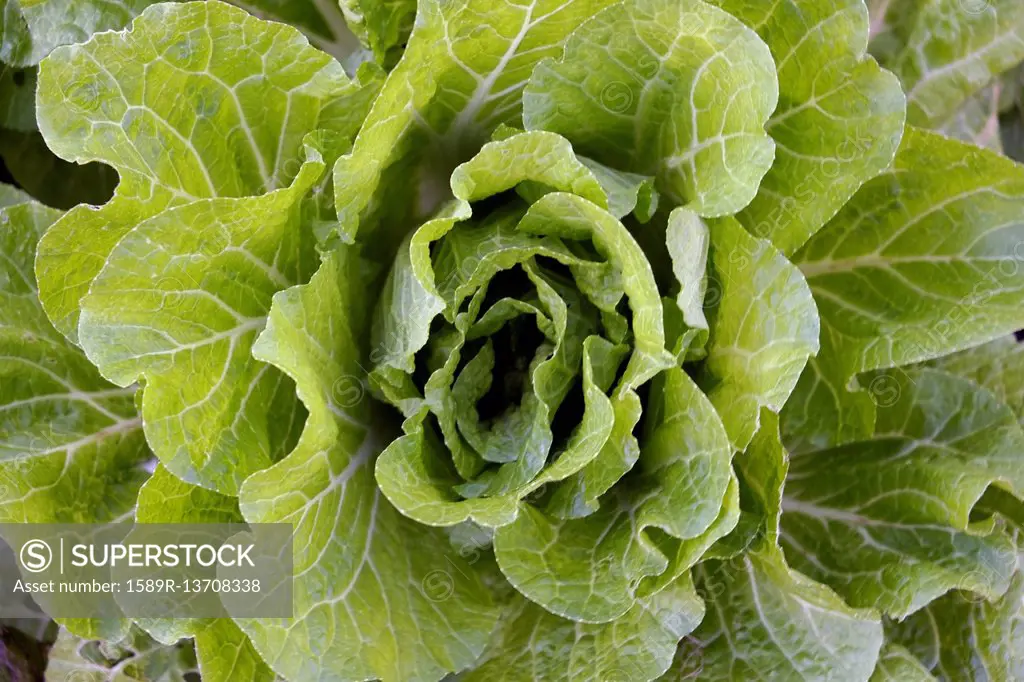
577	339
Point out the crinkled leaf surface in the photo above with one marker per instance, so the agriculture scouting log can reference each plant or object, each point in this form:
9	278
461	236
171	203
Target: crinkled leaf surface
944	225
965	637
376	595
825	409
769	111
997	366
886	521
944	52
461	76
763	324
683	94
382	25
896	664
763	616
31	29
210	102
321	20
222	650
591	568
136	657
829	86
213	414
72	448
531	643
71	445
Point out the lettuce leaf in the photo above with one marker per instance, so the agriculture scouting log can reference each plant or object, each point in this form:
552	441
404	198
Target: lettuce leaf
575	339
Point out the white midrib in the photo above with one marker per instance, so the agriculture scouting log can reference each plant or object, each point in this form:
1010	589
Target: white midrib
362	456
73	392
768	628
72	396
851	518
931	76
874	260
117	428
483	89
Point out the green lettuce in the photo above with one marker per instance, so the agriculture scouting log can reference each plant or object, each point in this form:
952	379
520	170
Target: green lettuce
575	339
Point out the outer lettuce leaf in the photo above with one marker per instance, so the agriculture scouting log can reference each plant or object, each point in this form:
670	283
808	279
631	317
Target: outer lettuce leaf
886	521
997	366
222	651
827	85
977	121
532	644
946	51
71	445
136	657
165	498
896	664
461	76
219	114
382	25
683	93
944	225
764	327
763	616
31	29
964	637
247	111
213	414
822	411
375	594
322	21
